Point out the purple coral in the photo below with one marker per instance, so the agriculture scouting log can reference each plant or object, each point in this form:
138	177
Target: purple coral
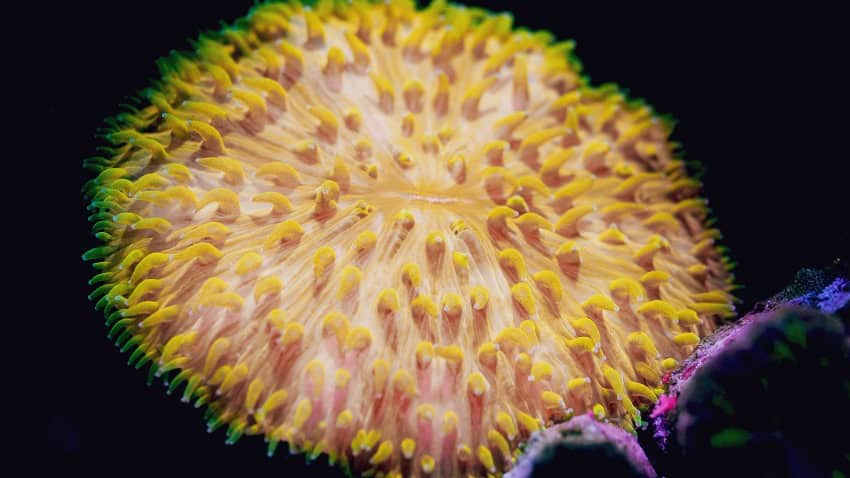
749	399
583	444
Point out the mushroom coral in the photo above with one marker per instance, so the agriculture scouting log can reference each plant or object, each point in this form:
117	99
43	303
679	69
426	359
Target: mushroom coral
405	238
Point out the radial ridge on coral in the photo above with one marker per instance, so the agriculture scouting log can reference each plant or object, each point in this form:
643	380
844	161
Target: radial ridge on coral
405	238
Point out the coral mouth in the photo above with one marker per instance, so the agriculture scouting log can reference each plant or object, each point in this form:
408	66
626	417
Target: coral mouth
425	197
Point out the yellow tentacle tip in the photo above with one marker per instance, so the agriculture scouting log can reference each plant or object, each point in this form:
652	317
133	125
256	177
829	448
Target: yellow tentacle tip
388	302
408	446
480	297
599	302
686	338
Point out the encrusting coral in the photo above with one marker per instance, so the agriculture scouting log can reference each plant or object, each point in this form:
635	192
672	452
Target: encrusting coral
404	238
583	445
729	407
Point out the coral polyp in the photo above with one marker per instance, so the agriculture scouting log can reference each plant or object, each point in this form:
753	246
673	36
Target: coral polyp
404	238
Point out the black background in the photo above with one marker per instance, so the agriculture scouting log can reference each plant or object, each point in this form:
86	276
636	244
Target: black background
760	101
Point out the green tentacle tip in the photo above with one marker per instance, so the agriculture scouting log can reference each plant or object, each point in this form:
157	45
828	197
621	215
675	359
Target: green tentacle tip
144	360
118	326
100	291
152	373
234	432
181	378
190	389
99	252
214	424
137	354
272	447
135	341
125	335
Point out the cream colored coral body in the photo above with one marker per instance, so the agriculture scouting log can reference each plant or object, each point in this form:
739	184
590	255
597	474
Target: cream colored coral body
407	239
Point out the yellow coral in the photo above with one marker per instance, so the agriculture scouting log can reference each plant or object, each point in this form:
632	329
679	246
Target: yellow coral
405	238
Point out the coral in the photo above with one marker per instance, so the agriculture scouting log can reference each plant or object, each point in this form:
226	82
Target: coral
404	238
583	445
742	404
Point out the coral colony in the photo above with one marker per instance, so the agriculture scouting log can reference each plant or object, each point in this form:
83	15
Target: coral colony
404	238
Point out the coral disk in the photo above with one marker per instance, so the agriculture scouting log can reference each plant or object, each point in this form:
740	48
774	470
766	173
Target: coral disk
405	238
